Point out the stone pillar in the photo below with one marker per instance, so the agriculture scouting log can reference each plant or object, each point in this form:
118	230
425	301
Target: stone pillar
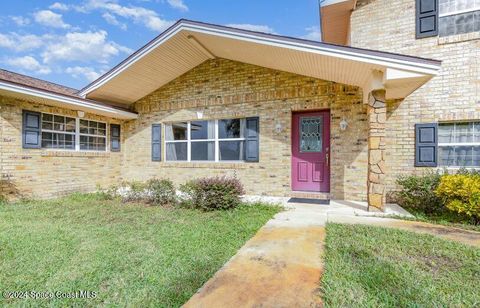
377	116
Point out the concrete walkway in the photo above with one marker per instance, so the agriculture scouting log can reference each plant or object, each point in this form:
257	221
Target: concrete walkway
281	265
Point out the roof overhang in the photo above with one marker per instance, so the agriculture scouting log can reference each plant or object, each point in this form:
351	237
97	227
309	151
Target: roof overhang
35	95
187	44
335	17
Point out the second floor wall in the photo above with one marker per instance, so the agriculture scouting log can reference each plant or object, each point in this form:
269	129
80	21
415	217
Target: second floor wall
389	25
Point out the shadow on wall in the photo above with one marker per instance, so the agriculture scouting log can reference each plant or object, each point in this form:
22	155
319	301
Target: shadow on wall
349	148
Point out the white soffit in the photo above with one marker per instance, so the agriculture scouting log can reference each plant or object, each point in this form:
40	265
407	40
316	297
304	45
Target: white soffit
188	44
54	99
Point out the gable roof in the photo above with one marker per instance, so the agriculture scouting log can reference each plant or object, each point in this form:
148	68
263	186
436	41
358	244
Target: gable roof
36	83
188	43
40	91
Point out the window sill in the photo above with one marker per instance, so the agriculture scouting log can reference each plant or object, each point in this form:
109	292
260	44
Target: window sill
457	168
457	38
208	165
58	153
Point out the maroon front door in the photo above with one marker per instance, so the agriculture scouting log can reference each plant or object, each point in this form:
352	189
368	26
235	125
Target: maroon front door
310	151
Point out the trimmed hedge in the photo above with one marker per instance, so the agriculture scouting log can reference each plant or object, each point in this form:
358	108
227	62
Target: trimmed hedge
154	191
214	193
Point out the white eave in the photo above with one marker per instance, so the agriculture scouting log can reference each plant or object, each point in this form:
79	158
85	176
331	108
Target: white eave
187	44
335	18
36	95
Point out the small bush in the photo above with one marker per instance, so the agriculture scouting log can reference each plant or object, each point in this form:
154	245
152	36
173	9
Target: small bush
161	191
155	191
418	192
216	193
187	193
461	194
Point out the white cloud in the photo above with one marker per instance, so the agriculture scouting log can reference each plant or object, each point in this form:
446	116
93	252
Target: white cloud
20	20
28	63
20	43
178	4
59	6
83	71
313	33
111	19
84	47
258	28
137	14
50	19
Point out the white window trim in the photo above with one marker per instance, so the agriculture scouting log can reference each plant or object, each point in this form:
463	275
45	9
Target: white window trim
189	141
77	134
458	12
77	130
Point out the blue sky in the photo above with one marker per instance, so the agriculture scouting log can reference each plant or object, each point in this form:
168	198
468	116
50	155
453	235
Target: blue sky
73	42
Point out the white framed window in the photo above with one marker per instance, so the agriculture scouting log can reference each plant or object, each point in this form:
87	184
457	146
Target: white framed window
93	135
458	16
205	140
68	133
58	132
455	7
459	144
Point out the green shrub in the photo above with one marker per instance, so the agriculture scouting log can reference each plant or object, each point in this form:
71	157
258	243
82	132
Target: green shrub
161	192
215	193
187	194
461	194
155	191
418	192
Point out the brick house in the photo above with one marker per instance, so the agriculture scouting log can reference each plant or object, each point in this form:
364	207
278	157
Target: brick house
288	117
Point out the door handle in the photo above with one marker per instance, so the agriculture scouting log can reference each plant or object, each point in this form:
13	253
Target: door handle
327	156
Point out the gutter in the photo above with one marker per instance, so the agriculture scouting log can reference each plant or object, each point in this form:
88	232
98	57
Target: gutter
68	99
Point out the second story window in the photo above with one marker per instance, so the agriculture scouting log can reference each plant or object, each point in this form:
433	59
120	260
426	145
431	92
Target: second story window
458	16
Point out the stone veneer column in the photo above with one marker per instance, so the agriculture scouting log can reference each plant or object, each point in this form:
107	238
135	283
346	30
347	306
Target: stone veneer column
377	116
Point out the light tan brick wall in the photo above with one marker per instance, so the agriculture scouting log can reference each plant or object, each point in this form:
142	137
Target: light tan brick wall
453	95
41	173
225	89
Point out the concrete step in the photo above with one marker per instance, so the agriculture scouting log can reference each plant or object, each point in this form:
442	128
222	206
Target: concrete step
309	197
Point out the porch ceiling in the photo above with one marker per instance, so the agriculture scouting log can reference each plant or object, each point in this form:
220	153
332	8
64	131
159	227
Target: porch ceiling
187	44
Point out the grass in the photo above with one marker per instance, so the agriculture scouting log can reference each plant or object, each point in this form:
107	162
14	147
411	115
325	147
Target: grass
445	217
376	267
131	255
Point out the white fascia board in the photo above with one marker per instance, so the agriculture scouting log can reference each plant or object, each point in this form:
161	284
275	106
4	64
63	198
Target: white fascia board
424	68
330	2
392	74
70	101
349	55
134	59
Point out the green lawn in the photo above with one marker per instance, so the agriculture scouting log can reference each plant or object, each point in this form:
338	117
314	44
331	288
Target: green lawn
132	254
377	267
445	218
